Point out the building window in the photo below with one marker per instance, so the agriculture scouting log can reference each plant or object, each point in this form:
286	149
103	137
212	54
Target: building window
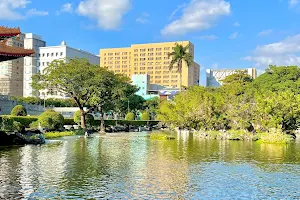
150	58
142	50
117	54
150	67
143	63
110	54
143	68
56	54
124	53
150	49
142	59
136	55
47	54
136	50
124	58
158	58
158	54
167	48
61	53
150	54
117	58
136	59
142	54
52	54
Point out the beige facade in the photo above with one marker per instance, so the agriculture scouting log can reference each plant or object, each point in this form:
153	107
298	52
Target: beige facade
11	72
151	59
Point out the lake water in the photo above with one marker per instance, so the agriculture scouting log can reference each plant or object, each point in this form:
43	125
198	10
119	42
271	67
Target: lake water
131	166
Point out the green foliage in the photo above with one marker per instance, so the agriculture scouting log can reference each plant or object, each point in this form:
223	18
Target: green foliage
48	102
17	126
69	121
77	117
179	55
34	125
51	119
50	135
145	116
19	110
25	121
241	104
129	116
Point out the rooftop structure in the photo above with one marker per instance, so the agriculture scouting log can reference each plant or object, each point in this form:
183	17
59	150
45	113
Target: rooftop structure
11	52
214	77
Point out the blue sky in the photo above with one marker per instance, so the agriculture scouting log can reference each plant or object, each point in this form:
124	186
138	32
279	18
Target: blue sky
226	33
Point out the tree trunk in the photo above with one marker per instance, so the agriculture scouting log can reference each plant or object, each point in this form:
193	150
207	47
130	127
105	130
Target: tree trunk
82	117
102	125
180	84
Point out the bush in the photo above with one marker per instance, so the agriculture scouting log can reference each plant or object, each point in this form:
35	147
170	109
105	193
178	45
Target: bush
77	117
49	135
17	126
19	110
130	116
34	125
89	119
51	120
69	121
274	137
145	116
25	121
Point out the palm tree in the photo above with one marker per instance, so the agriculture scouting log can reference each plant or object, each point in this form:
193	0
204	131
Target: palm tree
180	54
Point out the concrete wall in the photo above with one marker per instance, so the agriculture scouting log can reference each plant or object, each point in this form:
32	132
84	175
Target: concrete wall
7	105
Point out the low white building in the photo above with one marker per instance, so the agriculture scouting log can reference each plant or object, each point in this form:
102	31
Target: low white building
43	57
214	77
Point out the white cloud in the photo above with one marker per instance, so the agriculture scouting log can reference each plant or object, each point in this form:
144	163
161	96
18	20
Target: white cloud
293	3
285	52
177	10
35	12
198	15
236	24
233	35
108	13
265	32
207	37
8	9
143	19
68	7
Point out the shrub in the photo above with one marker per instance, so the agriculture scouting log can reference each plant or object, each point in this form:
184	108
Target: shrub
129	116
77	117
89	119
145	116
51	119
25	121
34	125
19	110
49	135
274	137
17	126
69	121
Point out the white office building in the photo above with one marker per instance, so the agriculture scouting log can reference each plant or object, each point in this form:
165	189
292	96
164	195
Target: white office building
31	41
214	77
45	55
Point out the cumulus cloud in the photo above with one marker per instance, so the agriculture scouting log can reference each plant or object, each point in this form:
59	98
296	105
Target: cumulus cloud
107	13
8	9
35	12
285	52
197	15
233	35
143	19
265	32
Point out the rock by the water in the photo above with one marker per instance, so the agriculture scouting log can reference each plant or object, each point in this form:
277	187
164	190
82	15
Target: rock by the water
15	138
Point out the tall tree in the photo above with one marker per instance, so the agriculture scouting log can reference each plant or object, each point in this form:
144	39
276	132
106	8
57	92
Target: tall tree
179	55
73	78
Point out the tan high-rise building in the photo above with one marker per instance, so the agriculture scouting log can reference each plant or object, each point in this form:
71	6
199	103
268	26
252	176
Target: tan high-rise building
11	72
151	59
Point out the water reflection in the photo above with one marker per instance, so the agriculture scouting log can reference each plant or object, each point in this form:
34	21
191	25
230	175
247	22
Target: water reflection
131	166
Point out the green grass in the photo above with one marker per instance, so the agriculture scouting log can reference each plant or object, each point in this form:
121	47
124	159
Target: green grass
160	136
50	135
